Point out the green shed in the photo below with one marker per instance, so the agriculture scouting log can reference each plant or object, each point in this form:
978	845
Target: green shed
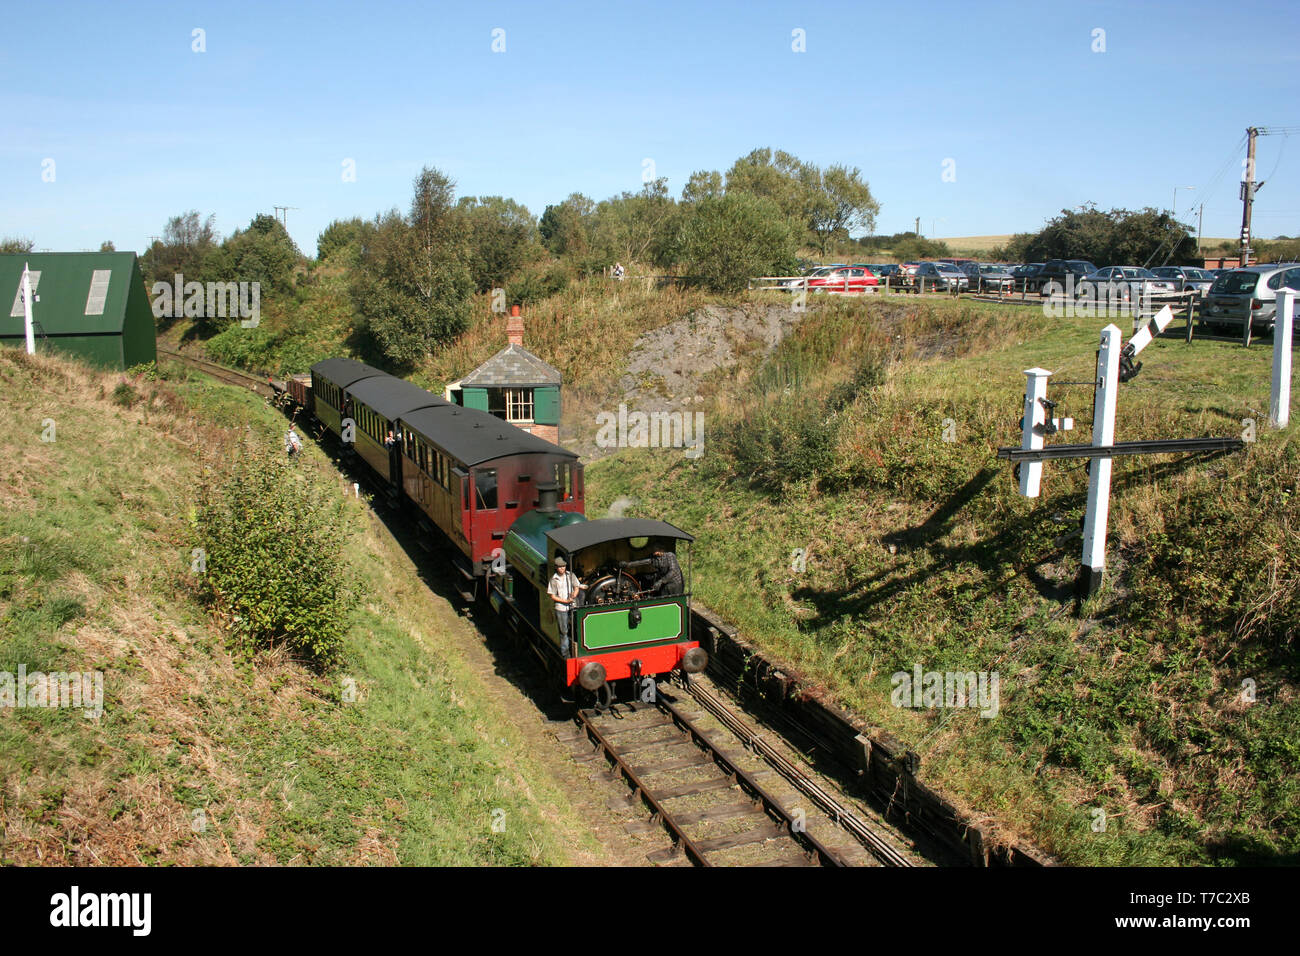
90	304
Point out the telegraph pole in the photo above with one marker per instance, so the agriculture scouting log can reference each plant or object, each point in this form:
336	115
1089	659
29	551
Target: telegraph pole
918	225
1248	194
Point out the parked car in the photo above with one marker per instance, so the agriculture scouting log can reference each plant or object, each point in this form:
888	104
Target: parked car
802	281
885	270
1127	281
939	276
844	279
1026	276
1187	278
1060	270
988	276
1250	291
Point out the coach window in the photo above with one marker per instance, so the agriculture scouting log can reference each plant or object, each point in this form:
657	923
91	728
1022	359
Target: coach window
485	489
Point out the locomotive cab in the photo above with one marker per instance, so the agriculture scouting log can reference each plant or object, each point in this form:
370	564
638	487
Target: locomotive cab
632	619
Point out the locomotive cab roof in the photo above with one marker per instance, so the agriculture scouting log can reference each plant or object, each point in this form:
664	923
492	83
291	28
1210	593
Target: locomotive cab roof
575	537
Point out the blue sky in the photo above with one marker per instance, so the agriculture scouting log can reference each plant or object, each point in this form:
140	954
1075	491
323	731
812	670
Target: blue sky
140	127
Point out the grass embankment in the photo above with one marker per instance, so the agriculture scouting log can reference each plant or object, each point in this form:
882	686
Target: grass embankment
201	756
1124	735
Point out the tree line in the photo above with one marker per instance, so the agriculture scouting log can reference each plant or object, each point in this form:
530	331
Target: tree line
412	275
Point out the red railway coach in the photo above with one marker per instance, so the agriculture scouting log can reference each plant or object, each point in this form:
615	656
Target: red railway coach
473	475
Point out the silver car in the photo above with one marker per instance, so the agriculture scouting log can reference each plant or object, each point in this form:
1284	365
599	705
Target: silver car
1250	291
1129	281
1189	279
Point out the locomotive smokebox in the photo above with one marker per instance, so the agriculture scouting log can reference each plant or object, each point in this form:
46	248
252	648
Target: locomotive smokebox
548	496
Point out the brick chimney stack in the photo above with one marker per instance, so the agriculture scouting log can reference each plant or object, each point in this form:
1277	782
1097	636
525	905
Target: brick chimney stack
515	327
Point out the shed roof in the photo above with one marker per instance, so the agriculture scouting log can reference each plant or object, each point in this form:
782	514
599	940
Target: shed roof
575	537
513	366
473	437
343	372
393	397
80	293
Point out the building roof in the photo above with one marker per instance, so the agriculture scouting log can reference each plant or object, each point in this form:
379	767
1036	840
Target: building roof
514	366
92	304
343	372
393	397
473	437
79	292
575	537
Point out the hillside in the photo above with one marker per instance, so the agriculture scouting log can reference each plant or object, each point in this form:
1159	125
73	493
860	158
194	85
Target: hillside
1156	727
1125	734
405	753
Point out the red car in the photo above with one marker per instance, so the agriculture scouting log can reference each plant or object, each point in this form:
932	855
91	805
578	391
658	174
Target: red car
847	279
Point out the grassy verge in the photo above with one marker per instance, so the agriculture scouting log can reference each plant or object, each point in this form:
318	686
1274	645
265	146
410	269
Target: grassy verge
397	756
1127	734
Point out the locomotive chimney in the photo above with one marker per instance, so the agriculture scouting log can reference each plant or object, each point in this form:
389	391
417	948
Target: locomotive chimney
548	494
515	327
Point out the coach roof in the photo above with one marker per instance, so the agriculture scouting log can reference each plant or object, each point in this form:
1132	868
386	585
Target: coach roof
584	534
343	371
473	437
393	397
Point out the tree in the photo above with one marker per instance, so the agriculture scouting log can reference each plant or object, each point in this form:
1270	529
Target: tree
702	185
728	239
847	204
107	246
342	240
824	204
1118	237
186	245
412	285
564	228
9	244
502	237
263	253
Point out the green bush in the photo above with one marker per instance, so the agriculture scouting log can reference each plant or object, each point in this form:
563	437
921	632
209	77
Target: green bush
125	395
274	536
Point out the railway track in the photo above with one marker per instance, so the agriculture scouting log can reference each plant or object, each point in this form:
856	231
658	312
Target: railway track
256	383
716	811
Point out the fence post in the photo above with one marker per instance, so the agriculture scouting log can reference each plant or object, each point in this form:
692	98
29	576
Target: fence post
1279	408
1093	567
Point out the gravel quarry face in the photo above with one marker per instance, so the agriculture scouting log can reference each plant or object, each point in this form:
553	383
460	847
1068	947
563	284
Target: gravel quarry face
668	366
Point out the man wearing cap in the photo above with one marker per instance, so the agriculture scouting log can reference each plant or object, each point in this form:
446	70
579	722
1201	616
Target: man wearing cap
563	589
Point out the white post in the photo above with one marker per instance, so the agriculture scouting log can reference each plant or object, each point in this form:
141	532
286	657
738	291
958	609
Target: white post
1031	436
27	310
1093	567
1279	408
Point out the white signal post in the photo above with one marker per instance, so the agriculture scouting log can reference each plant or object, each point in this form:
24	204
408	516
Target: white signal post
27	311
1093	567
1031	472
1279	410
